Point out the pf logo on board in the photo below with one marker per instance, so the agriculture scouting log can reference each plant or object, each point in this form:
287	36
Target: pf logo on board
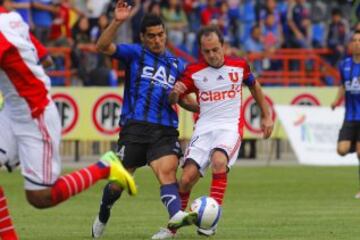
252	114
68	110
106	114
305	99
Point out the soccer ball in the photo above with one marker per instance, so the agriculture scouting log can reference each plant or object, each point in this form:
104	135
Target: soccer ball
208	210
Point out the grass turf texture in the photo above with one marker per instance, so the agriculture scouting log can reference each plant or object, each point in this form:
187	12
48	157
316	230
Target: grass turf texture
261	203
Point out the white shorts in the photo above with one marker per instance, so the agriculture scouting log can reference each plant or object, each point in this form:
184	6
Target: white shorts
33	142
201	147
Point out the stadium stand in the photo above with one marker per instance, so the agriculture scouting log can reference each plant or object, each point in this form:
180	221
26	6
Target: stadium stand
288	42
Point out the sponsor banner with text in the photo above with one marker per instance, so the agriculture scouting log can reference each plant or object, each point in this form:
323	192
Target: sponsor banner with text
92	113
313	133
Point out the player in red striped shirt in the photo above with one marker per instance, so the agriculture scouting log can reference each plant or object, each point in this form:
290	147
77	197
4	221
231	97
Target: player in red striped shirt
30	128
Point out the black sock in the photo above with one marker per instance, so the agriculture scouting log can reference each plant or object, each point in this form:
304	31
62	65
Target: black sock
108	199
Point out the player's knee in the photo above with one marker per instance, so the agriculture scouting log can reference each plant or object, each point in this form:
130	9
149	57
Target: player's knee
36	203
187	181
219	161
219	165
166	175
38	199
342	151
114	188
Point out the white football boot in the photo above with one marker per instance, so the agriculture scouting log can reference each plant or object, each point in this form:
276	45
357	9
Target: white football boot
357	196
164	233
97	228
207	232
181	219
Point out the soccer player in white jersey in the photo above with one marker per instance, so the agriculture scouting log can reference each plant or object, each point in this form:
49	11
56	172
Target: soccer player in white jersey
30	128
217	81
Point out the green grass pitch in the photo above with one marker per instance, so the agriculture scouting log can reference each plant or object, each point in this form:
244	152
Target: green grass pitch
289	203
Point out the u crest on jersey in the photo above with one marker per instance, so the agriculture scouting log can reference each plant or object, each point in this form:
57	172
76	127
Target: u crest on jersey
234	77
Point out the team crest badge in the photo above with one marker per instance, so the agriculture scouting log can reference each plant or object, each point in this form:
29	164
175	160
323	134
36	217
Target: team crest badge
234	76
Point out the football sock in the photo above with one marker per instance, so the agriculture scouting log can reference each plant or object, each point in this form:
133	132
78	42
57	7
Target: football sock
7	230
218	186
78	181
184	199
108	199
170	197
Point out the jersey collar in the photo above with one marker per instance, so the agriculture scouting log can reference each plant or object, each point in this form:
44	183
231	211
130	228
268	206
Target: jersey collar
3	10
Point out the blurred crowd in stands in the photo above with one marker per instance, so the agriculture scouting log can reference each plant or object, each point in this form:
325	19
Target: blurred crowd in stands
248	25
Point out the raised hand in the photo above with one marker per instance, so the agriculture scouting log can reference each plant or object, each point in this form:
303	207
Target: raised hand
122	11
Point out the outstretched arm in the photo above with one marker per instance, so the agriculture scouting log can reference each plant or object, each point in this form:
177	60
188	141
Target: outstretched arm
339	97
266	121
105	43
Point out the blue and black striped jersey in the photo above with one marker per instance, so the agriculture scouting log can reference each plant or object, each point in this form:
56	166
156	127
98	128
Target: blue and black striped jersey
149	80
350	77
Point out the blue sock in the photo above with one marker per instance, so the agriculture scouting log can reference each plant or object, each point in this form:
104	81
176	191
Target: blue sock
170	197
108	199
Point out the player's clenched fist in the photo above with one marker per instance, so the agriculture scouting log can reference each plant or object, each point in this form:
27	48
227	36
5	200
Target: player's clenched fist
178	90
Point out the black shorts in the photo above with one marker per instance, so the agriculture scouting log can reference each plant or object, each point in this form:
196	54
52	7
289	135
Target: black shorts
350	131
140	143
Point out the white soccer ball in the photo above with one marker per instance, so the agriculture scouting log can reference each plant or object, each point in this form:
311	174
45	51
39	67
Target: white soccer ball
208	210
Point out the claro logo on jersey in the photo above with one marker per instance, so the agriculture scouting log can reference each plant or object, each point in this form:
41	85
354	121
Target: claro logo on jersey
158	76
210	96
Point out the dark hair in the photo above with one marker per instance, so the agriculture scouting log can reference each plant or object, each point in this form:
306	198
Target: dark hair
207	30
356	32
1	2
336	12
150	20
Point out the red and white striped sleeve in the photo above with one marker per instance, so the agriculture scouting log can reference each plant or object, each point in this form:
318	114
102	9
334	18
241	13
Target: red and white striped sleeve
41	49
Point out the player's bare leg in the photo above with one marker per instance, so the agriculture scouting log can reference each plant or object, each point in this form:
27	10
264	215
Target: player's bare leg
219	161
109	167
7	230
165	170
343	147
178	217
111	193
190	176
357	195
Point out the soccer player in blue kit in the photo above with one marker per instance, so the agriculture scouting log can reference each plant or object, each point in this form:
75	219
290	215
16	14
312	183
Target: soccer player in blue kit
349	136
148	122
